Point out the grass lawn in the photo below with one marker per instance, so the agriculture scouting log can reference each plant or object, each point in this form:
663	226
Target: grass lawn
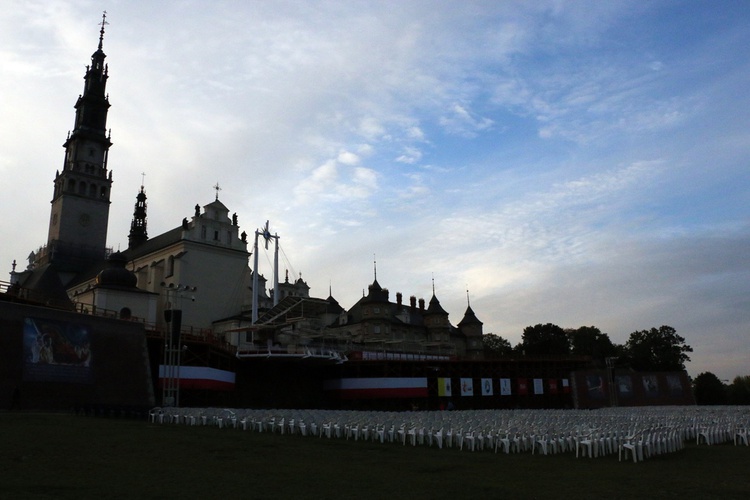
68	456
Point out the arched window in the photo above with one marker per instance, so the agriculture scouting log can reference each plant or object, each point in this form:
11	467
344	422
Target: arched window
92	190
72	185
82	188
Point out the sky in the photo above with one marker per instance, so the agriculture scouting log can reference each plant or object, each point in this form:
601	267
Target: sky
576	163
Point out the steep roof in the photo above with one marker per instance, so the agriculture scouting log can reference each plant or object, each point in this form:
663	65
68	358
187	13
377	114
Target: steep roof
435	307
156	243
469	318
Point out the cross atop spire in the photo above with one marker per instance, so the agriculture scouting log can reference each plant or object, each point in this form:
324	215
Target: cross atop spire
375	266
217	188
101	31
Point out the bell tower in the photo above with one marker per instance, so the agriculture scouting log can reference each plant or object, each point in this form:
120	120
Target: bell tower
80	202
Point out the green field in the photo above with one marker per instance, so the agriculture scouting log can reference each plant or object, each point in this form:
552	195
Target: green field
68	456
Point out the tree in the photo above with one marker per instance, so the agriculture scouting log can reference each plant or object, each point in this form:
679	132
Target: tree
545	340
496	346
739	391
657	350
709	390
590	341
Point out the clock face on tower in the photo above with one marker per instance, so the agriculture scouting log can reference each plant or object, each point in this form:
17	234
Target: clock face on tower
84	219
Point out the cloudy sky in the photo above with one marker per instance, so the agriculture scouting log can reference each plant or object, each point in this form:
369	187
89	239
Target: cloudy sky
579	163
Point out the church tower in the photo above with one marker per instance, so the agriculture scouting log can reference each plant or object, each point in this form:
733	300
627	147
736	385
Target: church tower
80	202
138	234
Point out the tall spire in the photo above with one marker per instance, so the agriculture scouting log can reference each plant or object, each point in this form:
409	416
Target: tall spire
80	201
138	233
101	31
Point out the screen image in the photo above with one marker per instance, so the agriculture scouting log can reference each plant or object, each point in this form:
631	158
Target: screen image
56	351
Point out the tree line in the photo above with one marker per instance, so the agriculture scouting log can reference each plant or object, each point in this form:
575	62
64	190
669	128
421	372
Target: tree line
656	349
710	390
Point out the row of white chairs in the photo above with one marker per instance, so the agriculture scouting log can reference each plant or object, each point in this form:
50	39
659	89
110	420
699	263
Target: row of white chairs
629	433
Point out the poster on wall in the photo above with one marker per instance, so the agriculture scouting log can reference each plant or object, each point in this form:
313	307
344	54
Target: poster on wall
505	387
56	351
486	387
552	384
675	385
467	387
566	385
444	387
595	386
624	386
650	386
523	388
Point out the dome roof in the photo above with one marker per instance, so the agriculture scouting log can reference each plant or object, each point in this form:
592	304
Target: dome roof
115	274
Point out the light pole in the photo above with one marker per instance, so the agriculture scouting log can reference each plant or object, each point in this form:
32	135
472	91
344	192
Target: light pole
173	344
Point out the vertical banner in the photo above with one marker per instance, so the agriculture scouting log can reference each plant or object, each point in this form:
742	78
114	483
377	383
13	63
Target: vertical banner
523	387
675	385
566	386
486	387
505	387
595	386
552	384
624	386
467	387
650	386
538	386
444	387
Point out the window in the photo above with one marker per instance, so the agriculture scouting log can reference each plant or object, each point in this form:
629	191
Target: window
203	232
216	235
170	266
229	237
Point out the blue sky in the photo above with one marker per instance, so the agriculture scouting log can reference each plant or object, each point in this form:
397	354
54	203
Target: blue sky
580	163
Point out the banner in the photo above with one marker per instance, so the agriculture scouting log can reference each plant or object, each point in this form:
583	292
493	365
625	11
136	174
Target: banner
467	387
624	386
650	386
199	377
566	385
505	387
373	388
538	386
595	386
552	383
675	385
444	387
523	388
486	387
56	351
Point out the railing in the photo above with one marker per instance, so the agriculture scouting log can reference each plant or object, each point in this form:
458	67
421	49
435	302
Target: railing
13	292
